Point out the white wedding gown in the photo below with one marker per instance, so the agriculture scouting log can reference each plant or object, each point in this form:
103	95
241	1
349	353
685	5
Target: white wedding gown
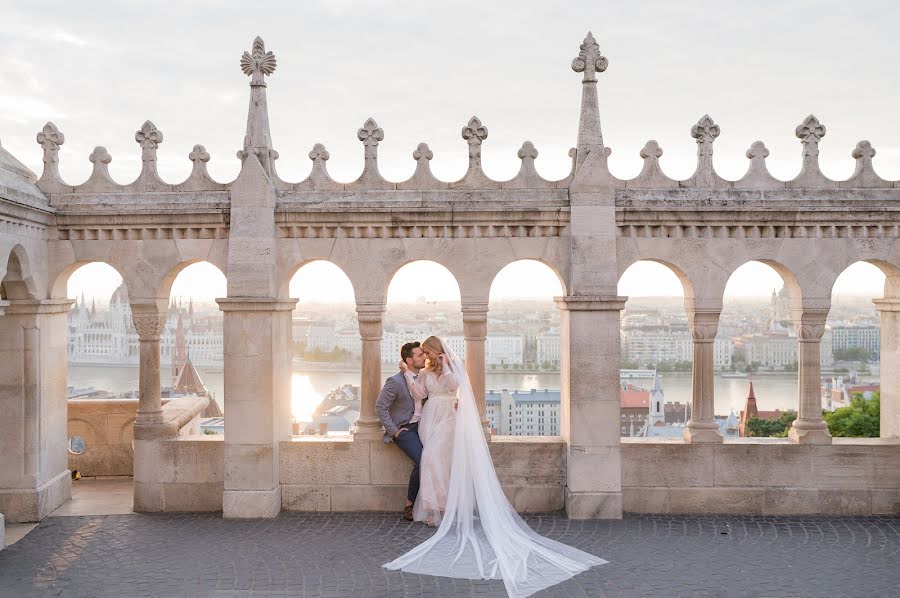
436	430
481	536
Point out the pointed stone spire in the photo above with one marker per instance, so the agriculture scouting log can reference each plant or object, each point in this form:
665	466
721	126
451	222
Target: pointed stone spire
590	62
50	138
258	64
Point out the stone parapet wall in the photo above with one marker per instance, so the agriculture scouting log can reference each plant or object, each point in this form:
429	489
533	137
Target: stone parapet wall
107	427
858	476
183	474
344	475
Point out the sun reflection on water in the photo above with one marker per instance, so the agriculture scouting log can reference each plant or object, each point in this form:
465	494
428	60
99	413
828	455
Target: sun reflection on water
304	398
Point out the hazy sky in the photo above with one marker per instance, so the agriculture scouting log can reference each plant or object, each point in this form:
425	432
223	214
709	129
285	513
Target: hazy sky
421	69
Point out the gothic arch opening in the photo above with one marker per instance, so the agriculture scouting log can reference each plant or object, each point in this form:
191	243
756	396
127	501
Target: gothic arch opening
656	349
522	351
191	342
17	282
326	350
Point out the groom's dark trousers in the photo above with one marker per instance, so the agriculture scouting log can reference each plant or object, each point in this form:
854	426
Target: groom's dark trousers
410	444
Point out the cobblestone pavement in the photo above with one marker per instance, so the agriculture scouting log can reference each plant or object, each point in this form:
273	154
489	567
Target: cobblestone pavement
340	555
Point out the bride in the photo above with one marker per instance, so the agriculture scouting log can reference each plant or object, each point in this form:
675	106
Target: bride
480	535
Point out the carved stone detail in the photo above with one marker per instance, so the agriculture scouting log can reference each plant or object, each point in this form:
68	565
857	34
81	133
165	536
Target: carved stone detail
758	175
810	324
149	137
589	60
50	138
258	64
147	322
370	134
864	176
474	133
651	175
704	324
705	132
810	132
100	178
422	178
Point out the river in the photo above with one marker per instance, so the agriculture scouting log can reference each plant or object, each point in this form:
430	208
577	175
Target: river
772	392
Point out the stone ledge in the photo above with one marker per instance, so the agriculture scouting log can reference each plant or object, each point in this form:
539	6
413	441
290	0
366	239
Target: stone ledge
176	414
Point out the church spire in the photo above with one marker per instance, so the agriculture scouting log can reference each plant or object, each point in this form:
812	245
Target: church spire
257	64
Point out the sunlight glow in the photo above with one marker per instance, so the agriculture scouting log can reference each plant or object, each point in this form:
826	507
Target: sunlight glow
422	279
526	279
304	398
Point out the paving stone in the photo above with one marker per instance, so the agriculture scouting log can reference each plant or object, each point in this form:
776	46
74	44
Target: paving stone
340	554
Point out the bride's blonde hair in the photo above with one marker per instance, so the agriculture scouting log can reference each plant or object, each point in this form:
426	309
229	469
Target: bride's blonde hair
434	344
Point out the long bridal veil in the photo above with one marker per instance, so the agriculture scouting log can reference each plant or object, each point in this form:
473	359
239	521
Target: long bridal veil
481	536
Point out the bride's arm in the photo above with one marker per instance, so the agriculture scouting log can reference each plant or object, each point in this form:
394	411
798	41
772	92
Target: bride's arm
416	386
448	378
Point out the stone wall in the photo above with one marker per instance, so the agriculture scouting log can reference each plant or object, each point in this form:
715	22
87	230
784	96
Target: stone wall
852	476
107	427
342	475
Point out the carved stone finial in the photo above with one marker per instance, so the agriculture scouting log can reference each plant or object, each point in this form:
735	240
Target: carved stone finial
651	150
422	152
863	150
758	151
474	133
589	60
705	131
370	134
198	154
527	151
318	152
864	176
50	138
149	137
100	156
257	64
810	132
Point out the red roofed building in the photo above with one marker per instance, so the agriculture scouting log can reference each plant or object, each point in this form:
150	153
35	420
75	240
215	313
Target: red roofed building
750	410
634	408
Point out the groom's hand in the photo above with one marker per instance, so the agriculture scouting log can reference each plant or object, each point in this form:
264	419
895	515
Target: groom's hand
397	435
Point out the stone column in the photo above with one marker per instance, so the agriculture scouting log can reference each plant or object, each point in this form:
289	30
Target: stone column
702	426
34	475
589	337
889	310
149	322
257	339
475	332
371	328
809	427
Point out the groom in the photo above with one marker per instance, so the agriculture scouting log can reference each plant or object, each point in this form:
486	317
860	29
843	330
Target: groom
397	411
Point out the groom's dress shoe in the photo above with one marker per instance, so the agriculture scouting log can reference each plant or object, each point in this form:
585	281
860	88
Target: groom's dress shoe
408	513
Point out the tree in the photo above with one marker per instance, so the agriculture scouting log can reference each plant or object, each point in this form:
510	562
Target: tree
630	365
860	419
777	428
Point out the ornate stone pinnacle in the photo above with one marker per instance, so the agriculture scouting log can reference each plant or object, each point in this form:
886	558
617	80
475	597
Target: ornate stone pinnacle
705	131
318	152
863	149
758	149
810	130
149	137
422	152
50	137
651	149
527	151
589	60
257	64
100	156
199	154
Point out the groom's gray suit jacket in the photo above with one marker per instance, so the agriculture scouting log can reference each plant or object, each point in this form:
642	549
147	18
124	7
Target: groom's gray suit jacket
394	406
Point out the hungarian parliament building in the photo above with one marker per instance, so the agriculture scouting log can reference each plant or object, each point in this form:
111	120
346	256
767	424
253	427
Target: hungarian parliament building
110	338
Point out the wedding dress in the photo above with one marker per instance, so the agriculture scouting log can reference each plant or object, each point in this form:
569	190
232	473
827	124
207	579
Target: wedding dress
481	536
437	427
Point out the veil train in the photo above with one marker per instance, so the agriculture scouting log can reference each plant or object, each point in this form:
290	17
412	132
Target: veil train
481	536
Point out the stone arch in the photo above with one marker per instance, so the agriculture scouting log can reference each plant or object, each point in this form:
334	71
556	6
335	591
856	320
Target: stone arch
681	273
165	285
16	281
447	267
59	288
290	273
543	262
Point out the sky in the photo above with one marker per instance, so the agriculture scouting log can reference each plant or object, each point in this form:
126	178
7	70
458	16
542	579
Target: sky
422	69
